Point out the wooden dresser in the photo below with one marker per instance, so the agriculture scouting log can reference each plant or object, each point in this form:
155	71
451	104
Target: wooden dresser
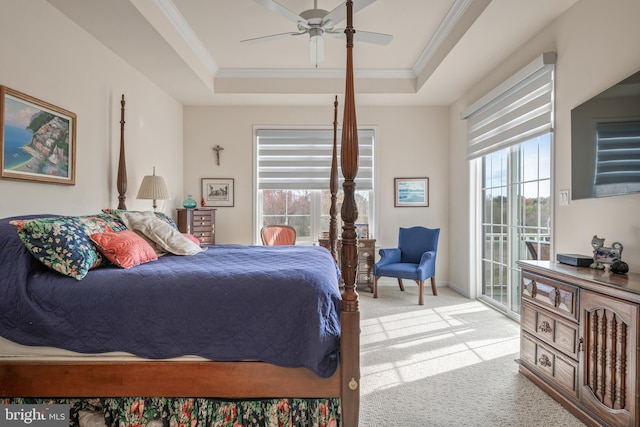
199	222
366	259
579	339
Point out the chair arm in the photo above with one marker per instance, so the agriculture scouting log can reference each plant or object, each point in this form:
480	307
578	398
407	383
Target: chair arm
428	263
427	256
388	256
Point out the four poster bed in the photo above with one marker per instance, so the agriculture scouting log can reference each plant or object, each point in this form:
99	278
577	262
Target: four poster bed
331	371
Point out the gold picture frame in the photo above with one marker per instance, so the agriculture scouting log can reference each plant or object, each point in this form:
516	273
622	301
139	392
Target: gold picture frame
37	140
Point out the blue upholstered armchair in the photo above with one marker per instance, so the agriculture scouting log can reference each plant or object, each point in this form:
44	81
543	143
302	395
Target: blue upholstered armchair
414	258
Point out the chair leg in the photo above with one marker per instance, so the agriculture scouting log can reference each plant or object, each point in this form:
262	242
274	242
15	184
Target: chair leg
420	292
375	286
433	286
401	285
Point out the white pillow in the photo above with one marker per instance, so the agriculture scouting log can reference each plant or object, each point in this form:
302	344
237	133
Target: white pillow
157	230
129	218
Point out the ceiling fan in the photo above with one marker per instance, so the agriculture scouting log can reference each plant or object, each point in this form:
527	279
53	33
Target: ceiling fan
317	22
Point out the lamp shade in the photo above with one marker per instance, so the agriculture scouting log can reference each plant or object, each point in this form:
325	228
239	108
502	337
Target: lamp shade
153	187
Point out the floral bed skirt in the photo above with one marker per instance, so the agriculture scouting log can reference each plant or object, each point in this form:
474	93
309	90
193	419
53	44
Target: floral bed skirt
198	412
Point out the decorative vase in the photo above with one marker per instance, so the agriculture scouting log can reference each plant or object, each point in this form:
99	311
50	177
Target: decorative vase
189	203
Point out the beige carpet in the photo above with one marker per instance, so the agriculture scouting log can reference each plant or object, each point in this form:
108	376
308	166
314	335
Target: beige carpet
448	363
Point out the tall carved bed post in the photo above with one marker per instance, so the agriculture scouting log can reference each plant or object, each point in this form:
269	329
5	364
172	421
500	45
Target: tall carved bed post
333	187
350	316
122	164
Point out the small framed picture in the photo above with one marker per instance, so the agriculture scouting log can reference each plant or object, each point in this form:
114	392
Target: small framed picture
217	192
37	140
411	192
362	231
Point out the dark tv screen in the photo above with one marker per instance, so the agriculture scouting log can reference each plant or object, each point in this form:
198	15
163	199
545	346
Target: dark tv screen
605	142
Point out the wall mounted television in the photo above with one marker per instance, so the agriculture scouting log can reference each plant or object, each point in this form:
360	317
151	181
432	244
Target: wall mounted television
605	142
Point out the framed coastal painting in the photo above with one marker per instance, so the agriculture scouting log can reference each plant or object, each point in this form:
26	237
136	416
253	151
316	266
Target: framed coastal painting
37	139
217	192
411	192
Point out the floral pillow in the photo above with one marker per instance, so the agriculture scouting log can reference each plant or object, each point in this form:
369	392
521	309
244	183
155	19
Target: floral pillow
63	244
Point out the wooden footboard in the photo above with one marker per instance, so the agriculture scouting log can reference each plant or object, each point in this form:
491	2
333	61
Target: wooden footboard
236	380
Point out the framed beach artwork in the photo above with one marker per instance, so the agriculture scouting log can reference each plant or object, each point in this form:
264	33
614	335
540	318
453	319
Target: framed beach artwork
217	192
37	139
411	192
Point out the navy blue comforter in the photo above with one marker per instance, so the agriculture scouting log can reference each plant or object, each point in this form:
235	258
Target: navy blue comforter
229	303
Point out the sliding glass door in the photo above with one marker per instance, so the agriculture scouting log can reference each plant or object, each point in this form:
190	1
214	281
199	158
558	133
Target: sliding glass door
515	218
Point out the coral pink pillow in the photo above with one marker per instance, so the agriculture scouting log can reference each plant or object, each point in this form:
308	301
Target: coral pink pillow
124	248
193	238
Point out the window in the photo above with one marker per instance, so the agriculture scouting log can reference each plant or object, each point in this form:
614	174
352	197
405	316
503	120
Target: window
293	170
516	216
509	145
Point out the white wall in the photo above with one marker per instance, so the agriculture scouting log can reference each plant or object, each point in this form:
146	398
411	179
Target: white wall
48	57
596	43
411	142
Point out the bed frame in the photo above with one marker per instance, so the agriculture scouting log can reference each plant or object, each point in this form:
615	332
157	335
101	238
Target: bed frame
226	379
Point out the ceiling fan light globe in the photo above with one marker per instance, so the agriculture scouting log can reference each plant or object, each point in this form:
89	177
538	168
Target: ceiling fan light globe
316	49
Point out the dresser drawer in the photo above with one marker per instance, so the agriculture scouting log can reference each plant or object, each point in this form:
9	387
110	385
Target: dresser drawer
202	219
550	364
551	328
365	278
555	296
204	237
366	243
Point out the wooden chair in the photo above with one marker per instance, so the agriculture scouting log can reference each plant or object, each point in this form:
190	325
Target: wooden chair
539	250
278	235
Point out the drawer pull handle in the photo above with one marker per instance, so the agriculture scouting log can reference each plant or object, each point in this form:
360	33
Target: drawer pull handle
534	289
366	255
545	327
544	360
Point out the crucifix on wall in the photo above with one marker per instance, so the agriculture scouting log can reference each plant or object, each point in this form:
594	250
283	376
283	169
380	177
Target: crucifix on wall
217	149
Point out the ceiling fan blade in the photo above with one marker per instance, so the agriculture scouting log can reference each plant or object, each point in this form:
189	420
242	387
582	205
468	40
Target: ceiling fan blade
283	11
339	14
364	36
375	38
271	37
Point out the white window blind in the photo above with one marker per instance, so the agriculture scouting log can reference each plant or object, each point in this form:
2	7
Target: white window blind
618	152
300	159
518	110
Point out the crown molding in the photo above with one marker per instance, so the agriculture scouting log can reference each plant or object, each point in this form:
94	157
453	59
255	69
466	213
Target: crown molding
445	28
180	24
271	73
